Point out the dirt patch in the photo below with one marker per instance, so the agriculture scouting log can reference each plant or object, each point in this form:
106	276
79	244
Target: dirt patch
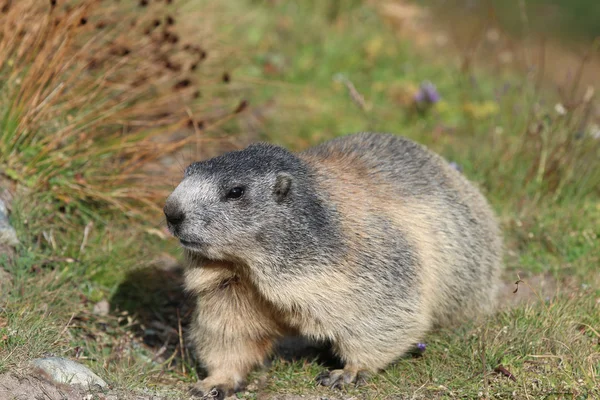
531	289
303	397
29	387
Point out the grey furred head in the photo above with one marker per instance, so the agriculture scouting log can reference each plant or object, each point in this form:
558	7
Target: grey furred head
254	205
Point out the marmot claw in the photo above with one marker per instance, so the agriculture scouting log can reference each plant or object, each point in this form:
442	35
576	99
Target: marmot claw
214	393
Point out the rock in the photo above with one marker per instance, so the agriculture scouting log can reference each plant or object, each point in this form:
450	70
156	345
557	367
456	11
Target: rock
5	281
8	236
66	371
101	308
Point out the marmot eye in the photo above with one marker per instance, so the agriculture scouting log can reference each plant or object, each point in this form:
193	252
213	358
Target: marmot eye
235	193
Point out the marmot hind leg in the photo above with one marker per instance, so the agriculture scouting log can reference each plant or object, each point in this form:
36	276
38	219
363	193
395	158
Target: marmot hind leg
338	378
233	330
362	358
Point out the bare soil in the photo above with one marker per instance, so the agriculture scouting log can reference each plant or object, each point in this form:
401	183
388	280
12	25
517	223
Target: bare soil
33	386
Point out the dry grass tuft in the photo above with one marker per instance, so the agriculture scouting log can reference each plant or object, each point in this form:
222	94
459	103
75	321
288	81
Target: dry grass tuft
92	92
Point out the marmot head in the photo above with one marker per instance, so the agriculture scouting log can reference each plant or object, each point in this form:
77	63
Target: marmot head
229	205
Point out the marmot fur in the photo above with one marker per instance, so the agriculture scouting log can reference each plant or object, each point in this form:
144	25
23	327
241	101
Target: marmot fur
366	241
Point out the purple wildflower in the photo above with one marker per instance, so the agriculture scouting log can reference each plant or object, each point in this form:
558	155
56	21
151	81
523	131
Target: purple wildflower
427	94
421	347
456	166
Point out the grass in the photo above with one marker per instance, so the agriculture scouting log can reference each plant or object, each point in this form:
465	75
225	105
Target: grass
88	88
571	21
310	72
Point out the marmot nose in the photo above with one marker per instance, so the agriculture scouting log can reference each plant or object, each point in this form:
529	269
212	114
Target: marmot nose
174	214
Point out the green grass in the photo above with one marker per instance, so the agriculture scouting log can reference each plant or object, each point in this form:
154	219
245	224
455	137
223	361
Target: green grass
49	310
539	169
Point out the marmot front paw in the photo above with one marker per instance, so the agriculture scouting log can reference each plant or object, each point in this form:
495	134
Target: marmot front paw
201	392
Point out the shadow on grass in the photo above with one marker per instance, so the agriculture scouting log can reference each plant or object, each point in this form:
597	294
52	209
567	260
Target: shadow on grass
155	298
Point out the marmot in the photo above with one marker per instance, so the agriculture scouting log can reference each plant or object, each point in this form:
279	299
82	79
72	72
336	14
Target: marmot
366	241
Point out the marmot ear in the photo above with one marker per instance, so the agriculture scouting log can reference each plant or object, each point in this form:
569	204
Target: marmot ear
283	184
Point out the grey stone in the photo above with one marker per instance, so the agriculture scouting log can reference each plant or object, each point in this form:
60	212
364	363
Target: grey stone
8	235
5	281
101	308
66	371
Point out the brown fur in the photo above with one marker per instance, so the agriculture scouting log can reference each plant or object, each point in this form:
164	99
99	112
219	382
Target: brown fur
233	328
243	307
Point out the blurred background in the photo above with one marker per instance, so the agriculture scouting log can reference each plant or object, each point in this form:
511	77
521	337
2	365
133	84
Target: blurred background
104	103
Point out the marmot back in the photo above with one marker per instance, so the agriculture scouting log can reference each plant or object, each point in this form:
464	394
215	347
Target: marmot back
444	216
367	241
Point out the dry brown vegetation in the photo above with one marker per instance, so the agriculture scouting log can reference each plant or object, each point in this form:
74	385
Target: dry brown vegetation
97	90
